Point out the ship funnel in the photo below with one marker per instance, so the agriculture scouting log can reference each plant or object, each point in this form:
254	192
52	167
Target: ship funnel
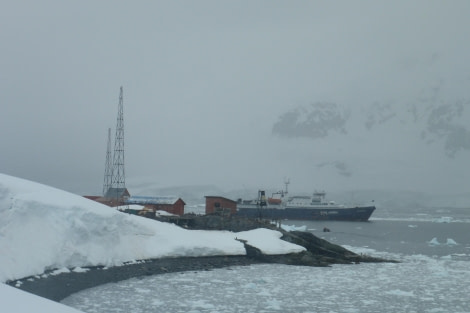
262	198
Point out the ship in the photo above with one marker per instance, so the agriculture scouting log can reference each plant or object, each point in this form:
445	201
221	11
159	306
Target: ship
314	207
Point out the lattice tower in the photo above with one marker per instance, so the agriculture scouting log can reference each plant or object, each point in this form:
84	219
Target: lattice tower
108	167
119	177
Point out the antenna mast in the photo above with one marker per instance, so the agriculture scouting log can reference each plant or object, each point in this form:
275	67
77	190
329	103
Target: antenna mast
119	177
286	182
108	169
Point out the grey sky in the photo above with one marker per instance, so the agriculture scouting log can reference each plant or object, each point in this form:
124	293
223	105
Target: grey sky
205	81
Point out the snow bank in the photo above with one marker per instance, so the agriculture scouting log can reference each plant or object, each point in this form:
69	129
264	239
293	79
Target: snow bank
293	227
163	213
268	241
45	228
18	301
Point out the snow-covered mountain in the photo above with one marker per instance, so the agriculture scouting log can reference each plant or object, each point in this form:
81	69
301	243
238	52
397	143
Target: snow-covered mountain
443	125
420	145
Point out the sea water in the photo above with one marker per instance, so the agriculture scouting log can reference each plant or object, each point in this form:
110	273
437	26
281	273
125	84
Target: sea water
433	246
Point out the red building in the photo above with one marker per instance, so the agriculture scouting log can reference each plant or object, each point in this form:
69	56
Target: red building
216	204
113	197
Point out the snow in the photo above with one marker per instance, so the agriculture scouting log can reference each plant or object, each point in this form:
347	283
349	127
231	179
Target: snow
17	301
163	213
80	270
43	228
293	227
135	207
60	271
268	241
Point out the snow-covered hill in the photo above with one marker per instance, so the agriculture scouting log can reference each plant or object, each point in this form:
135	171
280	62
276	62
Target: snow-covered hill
45	228
17	301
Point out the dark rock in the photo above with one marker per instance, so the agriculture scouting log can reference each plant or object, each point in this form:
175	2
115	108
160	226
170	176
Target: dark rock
321	252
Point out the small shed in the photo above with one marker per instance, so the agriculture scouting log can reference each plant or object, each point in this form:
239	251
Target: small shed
170	204
217	204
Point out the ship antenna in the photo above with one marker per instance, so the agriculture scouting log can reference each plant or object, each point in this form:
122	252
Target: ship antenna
286	182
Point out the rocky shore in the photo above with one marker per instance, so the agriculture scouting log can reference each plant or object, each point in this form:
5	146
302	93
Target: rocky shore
318	252
59	286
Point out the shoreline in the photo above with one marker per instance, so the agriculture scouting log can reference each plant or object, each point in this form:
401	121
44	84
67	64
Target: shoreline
59	286
318	253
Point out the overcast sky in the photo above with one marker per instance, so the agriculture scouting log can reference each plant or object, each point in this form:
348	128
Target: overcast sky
205	81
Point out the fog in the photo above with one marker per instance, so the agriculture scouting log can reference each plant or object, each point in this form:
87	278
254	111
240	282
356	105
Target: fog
238	94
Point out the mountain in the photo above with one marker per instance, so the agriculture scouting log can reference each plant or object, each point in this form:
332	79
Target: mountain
420	145
432	124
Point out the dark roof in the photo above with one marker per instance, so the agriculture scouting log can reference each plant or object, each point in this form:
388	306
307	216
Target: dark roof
114	193
219	197
153	200
92	197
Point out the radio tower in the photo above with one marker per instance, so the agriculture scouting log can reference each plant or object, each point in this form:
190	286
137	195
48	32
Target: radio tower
108	169
119	177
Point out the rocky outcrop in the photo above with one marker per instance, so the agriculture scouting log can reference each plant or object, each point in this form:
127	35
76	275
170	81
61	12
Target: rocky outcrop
319	251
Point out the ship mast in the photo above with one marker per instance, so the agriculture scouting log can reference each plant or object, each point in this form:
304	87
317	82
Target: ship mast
286	182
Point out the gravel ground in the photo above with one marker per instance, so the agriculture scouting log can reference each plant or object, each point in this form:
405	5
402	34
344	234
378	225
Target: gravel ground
60	286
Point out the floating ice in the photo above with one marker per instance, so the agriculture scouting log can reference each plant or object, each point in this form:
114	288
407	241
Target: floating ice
60	271
400	293
293	227
444	219
451	242
418	284
80	270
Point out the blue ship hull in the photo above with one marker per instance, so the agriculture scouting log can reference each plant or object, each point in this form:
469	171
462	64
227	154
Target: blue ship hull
360	214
